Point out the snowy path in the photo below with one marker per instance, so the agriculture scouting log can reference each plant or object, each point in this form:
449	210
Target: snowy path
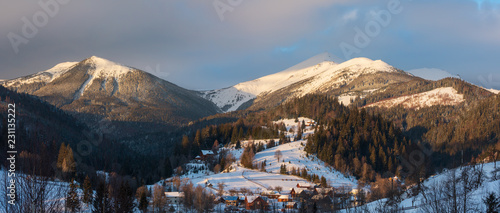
255	182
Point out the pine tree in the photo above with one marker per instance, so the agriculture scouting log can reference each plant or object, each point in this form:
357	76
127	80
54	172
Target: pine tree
72	199
241	134
234	135
492	203
299	133
61	156
283	169
143	202
87	191
142	198
125	199
69	164
197	139
215	147
323	182
185	144
167	167
101	202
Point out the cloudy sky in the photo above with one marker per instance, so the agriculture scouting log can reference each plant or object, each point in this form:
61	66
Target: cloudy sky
209	44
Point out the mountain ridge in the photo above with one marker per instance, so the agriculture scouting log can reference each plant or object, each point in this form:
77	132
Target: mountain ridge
316	74
97	89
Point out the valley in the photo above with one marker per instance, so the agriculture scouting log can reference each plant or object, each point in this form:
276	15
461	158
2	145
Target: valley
346	127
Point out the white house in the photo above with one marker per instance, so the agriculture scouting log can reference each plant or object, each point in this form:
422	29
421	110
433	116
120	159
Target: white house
174	197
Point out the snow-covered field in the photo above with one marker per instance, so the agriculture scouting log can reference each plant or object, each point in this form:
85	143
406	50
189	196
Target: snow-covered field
439	96
346	99
254	180
292	156
295	157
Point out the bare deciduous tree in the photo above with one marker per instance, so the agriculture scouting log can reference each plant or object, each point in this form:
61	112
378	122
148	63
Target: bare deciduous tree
159	199
220	188
278	155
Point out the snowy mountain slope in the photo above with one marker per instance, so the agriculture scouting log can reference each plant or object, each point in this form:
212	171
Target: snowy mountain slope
293	156
341	74
494	91
33	82
317	74
356	77
306	69
439	96
52	191
97	89
102	69
435	183
44	76
241	177
231	98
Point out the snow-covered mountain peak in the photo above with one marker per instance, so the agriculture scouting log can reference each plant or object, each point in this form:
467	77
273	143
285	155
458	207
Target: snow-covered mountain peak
315	74
317	59
362	63
106	68
60	68
43	76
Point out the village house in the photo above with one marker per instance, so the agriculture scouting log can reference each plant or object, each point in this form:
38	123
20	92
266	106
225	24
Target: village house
356	197
255	203
298	192
291	205
174	198
231	200
270	194
205	154
324	191
284	198
305	195
305	186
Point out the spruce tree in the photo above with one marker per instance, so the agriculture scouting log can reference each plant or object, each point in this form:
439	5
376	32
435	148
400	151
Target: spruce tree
125	199
143	202
68	164
492	203
167	167
61	156
323	182
87	191
72	199
101	202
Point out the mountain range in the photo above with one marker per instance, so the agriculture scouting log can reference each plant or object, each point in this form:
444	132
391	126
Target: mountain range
137	102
